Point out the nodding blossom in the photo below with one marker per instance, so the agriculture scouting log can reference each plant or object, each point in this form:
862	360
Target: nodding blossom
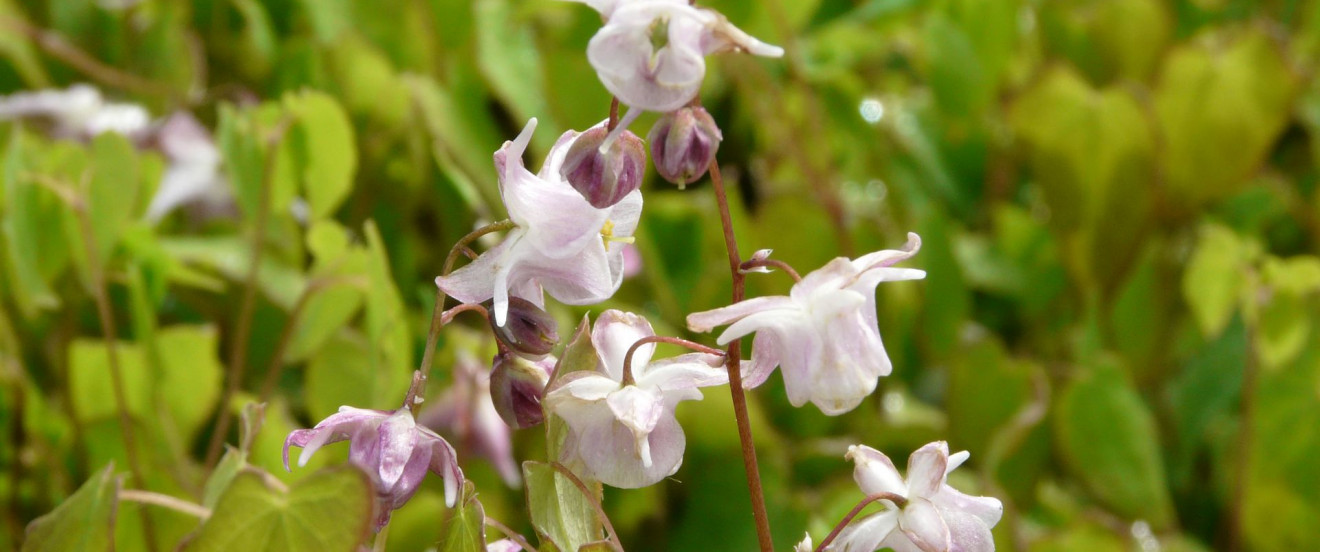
824	334
465	414
930	516
651	53
561	244
390	447
77	112
625	434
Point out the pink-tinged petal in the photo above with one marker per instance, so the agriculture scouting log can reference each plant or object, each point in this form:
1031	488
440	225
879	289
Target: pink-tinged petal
398	437
967	533
833	276
784	322
800	350
409	480
765	358
866	534
638	410
444	463
900	542
504	545
889	257
630	68
474	282
688	371
509	167
584	279
852	359
926	467
612	458
614	333
706	321
626	213
874	472
988	509
337	427
580	386
921	522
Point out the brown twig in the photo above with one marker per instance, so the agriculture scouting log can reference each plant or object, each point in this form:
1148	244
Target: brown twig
733	364
449	315
243	327
614	114
59	48
896	499
627	358
591	497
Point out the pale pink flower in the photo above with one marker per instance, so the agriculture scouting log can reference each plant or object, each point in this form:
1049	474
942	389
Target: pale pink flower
465	414
561	243
625	435
651	53
936	517
390	447
824	334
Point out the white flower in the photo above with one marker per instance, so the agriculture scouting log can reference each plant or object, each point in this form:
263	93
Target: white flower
561	244
625	435
936	517
77	112
651	53
824	334
193	173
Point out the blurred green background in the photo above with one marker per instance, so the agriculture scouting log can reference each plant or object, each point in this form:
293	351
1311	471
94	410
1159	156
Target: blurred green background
1117	200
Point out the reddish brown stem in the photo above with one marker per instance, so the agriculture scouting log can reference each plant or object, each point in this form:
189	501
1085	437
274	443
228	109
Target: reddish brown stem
449	315
627	358
896	499
733	364
614	114
771	263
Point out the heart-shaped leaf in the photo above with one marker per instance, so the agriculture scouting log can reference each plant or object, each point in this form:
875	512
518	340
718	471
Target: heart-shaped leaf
83	522
329	510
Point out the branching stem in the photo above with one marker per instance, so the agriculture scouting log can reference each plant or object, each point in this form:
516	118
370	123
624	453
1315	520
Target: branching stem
771	263
896	499
627	358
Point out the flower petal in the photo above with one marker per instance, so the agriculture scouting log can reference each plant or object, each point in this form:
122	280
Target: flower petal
865	535
921	522
874	472
688	371
967	533
614	333
706	321
988	509
925	473
398	437
473	282
444	462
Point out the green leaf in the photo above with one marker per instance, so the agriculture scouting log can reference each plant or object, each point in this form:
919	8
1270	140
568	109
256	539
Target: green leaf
466	529
511	63
1130	36
1108	439
986	388
340	373
1219	113
84	521
559	511
225	471
329	18
35	252
387	319
323	150
113	192
1092	153
579	354
959	81
1213	282
330	510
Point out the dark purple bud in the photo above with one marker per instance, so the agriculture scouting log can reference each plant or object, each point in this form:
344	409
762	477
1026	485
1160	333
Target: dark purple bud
528	329
516	387
606	177
683	144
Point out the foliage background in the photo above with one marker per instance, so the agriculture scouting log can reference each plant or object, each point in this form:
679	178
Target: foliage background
1117	201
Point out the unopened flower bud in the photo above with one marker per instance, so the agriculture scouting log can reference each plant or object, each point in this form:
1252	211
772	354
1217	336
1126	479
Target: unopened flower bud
528	329
683	144
604	177
516	387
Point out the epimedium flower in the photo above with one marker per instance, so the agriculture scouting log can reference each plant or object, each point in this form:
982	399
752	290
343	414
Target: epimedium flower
623	433
925	513
390	447
651	53
561	244
824	334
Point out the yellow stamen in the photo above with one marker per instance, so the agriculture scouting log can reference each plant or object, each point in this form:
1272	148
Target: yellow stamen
607	234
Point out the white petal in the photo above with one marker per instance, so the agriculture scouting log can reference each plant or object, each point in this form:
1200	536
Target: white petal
707	320
921	522
926	469
688	371
875	472
614	333
865	535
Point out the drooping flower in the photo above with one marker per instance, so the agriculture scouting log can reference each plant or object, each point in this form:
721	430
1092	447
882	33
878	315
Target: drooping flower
465	414
561	244
604	175
824	334
625	434
651	53
390	447
193	171
933	516
683	144
529	330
